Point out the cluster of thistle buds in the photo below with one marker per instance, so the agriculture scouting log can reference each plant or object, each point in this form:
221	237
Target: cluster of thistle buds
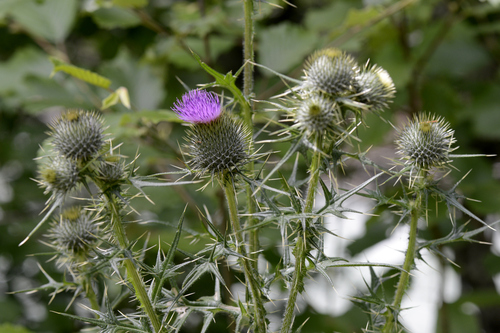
78	152
334	83
217	142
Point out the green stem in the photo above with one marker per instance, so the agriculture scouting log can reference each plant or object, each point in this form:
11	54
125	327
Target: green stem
248	57
259	310
301	248
248	54
415	213
133	275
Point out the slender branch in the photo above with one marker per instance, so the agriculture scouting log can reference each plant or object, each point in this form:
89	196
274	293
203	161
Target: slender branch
133	275
259	310
301	248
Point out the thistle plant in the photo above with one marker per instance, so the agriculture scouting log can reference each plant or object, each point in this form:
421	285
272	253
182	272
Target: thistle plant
327	107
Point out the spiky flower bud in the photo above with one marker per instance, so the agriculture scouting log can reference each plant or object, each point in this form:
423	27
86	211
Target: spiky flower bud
59	175
74	234
317	114
216	141
375	88
112	169
330	71
426	141
78	134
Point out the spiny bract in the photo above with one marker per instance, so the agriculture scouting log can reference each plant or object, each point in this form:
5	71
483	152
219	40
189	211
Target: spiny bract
75	233
425	142
375	88
59	175
217	146
112	169
317	114
330	71
78	134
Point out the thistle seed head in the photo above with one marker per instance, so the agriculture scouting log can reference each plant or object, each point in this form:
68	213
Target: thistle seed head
317	114
78	134
59	175
74	234
218	146
426	141
198	106
330	71
375	87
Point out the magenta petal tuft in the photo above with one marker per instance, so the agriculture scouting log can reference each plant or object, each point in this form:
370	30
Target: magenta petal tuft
198	106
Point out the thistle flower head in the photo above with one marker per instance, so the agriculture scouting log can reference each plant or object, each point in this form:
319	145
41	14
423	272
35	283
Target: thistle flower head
375	87
59	175
218	146
317	114
426	141
78	134
74	234
198	106
330	71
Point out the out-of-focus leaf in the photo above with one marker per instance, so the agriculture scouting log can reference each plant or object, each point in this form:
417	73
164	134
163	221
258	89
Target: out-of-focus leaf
154	116
115	17
50	19
9	328
130	3
120	95
326	18
285	45
26	61
80	73
144	84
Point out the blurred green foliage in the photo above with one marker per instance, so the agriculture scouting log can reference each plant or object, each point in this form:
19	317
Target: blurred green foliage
442	54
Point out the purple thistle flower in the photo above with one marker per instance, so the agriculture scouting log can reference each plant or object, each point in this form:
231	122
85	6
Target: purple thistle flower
198	106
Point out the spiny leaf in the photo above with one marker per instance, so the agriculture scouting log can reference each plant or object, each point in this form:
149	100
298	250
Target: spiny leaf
80	73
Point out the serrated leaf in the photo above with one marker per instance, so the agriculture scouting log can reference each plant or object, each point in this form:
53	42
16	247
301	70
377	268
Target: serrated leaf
80	73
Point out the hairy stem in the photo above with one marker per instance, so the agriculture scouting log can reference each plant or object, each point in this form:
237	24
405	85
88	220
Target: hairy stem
259	310
132	274
301	248
415	213
248	57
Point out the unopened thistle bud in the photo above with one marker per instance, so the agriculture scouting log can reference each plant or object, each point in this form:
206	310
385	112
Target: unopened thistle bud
112	169
317	114
78	134
74	234
375	88
216	141
426	141
330	71
59	175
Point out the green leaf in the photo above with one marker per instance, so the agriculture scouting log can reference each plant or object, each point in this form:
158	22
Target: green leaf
115	17
144	82
152	116
9	328
109	101
284	46
50	19
80	73
130	3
